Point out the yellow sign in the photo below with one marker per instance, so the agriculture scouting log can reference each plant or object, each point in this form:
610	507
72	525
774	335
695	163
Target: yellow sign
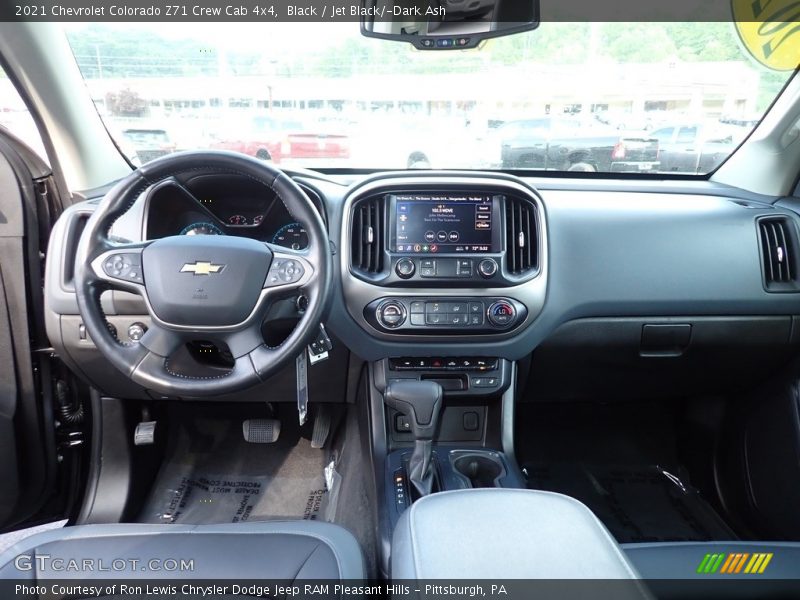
770	31
201	268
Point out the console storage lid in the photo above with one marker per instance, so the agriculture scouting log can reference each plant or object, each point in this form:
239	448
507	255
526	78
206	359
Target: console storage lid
504	534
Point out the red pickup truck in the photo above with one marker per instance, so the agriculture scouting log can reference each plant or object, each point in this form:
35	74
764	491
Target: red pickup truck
278	140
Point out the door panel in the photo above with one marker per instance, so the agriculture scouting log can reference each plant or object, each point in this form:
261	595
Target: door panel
28	458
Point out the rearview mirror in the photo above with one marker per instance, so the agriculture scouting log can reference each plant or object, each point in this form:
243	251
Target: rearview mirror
446	24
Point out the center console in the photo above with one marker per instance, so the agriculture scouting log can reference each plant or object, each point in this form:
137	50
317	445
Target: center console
503	534
443	427
439	270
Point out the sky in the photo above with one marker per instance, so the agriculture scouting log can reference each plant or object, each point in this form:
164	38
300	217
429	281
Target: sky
242	36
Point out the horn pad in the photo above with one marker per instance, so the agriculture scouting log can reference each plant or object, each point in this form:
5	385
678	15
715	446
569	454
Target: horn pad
205	281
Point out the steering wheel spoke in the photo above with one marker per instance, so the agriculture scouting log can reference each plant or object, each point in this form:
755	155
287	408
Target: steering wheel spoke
162	341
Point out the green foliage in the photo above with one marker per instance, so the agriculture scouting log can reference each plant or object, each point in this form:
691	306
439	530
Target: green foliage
110	52
126	103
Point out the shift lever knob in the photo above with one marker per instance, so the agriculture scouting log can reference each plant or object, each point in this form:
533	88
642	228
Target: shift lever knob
421	401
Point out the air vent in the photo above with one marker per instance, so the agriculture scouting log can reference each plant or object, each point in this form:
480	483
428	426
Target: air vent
368	235
779	253
521	240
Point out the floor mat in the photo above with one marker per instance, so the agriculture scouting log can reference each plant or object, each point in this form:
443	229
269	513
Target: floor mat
621	460
211	475
636	503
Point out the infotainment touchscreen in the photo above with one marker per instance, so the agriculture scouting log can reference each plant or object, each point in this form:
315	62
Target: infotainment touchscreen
446	223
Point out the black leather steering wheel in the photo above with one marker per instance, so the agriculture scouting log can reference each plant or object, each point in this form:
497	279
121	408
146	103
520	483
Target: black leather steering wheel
215	288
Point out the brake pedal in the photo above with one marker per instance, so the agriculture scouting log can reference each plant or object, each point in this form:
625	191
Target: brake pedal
261	431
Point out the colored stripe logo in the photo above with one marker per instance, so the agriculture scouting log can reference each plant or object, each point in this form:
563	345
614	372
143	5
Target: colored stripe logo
735	562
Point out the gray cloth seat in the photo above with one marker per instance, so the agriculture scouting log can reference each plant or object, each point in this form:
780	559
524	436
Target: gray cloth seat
277	550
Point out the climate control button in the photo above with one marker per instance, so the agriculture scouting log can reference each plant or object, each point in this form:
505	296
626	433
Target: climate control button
502	314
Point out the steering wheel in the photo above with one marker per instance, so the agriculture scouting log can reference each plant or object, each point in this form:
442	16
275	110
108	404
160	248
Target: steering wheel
210	288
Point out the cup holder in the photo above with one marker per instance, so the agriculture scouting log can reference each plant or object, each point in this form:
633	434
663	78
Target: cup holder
481	470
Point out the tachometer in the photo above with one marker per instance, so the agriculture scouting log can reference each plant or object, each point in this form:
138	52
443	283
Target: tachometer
292	235
202	229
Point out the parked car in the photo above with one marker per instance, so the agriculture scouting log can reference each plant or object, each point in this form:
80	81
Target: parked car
144	145
696	147
279	140
422	142
555	143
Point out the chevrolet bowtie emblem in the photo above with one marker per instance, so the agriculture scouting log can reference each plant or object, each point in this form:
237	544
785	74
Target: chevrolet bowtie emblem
201	268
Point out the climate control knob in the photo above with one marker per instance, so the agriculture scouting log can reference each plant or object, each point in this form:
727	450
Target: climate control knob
502	314
405	268
487	268
391	314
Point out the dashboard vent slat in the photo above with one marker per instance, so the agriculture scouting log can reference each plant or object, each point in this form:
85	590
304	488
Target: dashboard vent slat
778	253
521	238
368	235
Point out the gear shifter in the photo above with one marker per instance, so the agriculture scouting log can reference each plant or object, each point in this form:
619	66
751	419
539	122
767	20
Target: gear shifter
421	401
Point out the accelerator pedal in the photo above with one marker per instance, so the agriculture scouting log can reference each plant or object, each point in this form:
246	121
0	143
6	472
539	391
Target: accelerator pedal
261	431
322	426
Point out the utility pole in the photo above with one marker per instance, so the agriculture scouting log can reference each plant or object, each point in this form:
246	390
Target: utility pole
98	61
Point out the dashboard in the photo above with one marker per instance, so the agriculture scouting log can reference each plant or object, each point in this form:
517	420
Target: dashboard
441	265
221	204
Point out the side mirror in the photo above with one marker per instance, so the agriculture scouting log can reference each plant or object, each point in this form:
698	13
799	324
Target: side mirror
446	24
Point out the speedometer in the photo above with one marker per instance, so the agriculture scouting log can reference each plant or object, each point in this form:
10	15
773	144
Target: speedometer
292	235
201	229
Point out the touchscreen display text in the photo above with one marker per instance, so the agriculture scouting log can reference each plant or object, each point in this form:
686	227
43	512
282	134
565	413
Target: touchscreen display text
434	224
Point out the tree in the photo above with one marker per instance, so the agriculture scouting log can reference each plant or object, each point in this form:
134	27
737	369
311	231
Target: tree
126	103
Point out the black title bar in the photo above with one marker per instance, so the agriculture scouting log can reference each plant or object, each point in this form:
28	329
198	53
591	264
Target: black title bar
775	11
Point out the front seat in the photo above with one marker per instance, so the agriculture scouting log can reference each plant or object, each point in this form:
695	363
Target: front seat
275	550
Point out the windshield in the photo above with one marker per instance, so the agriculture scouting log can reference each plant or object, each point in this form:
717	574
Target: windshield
592	97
